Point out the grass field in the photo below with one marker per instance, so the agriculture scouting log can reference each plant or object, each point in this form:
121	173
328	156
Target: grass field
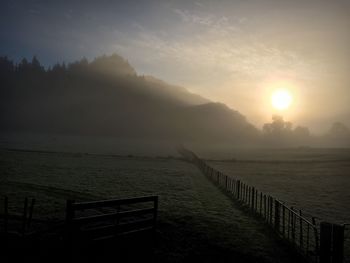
314	180
317	181
197	222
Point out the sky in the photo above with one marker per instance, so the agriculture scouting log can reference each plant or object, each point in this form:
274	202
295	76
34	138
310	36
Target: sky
235	52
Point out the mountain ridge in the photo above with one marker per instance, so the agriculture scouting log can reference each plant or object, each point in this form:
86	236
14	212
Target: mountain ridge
107	97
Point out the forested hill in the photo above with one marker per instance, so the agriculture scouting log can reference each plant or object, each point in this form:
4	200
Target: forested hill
107	97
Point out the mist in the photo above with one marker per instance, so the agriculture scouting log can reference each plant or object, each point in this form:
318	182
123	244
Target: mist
175	131
216	51
106	97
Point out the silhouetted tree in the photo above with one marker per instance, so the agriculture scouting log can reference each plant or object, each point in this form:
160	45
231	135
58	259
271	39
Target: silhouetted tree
58	68
23	66
36	65
281	132
113	65
302	132
80	66
6	67
277	127
339	131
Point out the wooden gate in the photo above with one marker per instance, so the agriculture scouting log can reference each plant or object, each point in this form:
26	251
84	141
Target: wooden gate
110	223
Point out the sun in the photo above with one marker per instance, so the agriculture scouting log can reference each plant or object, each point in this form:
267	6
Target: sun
281	99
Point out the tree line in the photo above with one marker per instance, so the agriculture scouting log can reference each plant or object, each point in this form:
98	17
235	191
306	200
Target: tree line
106	96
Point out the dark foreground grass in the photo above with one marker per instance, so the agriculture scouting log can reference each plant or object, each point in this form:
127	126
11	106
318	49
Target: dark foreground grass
196	222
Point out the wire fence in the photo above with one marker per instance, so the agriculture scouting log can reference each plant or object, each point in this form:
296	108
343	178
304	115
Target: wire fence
347	243
290	224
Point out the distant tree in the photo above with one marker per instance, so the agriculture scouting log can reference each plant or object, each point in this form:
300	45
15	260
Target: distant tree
79	66
23	65
35	62
84	62
24	62
339	130
36	65
267	129
6	67
277	127
302	132
112	65
288	126
58	68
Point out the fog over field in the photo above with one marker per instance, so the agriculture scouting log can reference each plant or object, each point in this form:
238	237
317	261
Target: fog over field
193	107
106	97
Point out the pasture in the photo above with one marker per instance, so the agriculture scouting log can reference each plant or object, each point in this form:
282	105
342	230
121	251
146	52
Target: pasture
196	220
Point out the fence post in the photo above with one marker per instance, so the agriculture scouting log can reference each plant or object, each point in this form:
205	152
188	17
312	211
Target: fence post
316	235
260	203
6	211
338	243
24	217
233	186
301	230
68	234
265	206
277	216
271	209
283	219
243	192
226	182
268	208
293	223
289	222
248	195
253	198
155	213
31	212
325	242
247	199
238	189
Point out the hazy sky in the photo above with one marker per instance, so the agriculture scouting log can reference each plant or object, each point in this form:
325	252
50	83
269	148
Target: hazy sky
229	51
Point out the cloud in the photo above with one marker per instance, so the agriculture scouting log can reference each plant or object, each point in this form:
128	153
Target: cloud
209	20
212	50
186	16
227	42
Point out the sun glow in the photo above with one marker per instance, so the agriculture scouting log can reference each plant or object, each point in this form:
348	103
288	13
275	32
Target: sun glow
281	99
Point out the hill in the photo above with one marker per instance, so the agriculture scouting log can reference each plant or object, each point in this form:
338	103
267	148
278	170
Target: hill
107	97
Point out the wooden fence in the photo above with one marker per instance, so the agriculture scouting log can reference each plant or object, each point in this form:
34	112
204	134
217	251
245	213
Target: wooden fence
347	243
109	219
322	242
23	220
87	231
